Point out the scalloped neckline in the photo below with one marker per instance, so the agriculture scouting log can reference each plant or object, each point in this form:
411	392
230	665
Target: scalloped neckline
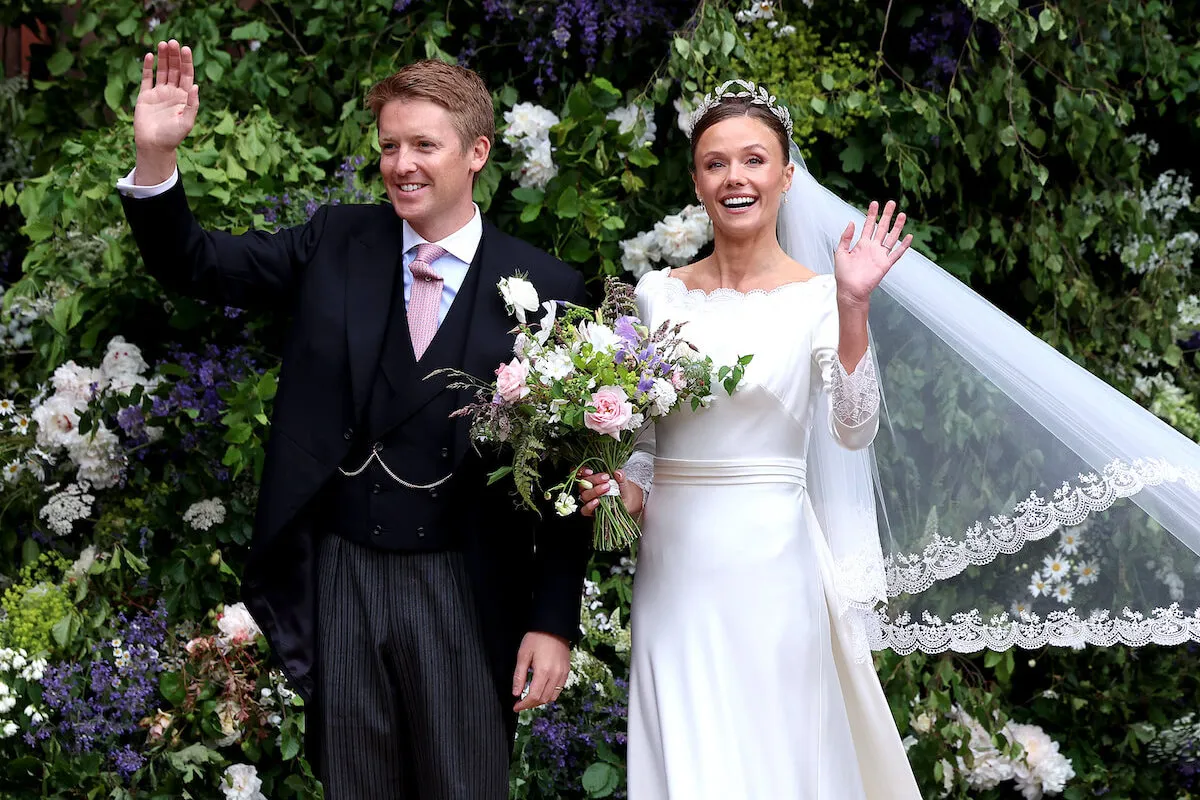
722	291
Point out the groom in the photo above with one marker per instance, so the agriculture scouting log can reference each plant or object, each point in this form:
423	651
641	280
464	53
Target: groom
408	602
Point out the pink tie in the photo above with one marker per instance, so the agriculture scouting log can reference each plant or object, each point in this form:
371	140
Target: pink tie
425	298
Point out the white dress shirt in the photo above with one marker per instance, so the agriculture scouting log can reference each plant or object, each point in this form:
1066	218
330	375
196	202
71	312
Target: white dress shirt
460	246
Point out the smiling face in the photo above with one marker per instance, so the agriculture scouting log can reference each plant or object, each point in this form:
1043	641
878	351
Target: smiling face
741	174
427	169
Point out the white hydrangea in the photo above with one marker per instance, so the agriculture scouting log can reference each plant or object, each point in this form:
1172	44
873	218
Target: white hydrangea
676	239
528	134
203	514
630	116
241	782
98	456
77	384
638	253
65	508
539	167
1189	316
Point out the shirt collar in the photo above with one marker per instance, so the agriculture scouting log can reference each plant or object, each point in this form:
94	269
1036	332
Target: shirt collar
462	244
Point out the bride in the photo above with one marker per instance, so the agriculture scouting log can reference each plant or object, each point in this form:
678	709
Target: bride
750	675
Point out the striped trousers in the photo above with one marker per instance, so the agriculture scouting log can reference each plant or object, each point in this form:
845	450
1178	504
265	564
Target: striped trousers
408	706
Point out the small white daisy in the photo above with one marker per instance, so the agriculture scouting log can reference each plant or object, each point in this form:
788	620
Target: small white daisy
7	407
1062	592
1020	608
20	424
1087	572
1039	586
1070	542
1057	567
12	471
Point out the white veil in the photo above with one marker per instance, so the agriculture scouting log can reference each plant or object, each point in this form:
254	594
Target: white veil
1019	500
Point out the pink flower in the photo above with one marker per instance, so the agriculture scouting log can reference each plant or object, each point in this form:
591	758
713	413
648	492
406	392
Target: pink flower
677	378
510	380
612	414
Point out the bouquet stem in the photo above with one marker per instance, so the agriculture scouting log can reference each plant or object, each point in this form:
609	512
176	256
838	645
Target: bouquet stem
613	527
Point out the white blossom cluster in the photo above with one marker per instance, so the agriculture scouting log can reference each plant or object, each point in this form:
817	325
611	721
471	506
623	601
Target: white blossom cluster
1188	321
1161	204
1039	770
203	514
16	322
676	239
67	507
1164	573
1175	739
1143	141
241	782
528	134
97	455
765	10
1168	399
14	665
630	116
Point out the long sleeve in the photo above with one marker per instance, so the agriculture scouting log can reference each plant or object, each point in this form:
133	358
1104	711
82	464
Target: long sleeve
853	397
255	269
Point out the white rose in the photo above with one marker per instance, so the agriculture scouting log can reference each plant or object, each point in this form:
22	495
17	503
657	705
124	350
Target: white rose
680	236
122	358
241	782
57	420
520	297
236	624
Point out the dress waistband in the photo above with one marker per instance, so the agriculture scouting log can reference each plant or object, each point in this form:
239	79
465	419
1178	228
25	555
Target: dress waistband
729	471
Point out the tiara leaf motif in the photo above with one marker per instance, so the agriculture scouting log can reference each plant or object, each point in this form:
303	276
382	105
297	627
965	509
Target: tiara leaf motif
748	90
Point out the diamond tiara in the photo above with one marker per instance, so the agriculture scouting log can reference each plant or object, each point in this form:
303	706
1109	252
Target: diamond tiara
746	90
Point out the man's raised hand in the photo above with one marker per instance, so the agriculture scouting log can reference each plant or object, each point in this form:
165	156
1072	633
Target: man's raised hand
165	112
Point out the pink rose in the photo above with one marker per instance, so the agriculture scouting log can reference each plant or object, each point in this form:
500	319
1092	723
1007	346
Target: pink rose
510	380
612	414
677	378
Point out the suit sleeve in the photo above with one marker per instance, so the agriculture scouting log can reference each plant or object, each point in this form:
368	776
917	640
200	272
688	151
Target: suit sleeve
253	270
564	546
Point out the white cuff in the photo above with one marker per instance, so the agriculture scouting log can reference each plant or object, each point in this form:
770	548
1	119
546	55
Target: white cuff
127	187
855	394
639	470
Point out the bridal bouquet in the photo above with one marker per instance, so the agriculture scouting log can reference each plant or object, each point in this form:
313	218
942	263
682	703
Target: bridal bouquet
579	387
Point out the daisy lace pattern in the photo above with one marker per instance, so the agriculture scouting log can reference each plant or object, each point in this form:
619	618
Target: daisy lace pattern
1034	519
967	632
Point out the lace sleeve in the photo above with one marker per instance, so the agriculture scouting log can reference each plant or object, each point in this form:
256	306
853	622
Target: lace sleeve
855	395
639	469
853	398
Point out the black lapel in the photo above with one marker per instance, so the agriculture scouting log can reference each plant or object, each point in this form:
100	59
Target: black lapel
372	265
488	341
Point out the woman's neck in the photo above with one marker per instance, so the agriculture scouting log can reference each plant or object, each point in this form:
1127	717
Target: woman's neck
745	261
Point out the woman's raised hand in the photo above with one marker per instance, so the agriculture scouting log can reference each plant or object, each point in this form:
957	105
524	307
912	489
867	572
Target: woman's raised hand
859	269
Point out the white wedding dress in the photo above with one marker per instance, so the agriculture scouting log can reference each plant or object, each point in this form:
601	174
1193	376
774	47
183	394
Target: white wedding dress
744	683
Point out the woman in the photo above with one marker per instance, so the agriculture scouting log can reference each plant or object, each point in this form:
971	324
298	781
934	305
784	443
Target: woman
747	677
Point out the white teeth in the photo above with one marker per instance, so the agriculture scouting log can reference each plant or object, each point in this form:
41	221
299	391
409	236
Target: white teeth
738	202
410	187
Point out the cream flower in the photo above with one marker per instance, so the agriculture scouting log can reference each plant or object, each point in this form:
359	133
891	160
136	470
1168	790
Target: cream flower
520	297
236	625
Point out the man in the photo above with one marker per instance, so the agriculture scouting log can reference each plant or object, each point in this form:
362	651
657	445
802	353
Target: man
397	589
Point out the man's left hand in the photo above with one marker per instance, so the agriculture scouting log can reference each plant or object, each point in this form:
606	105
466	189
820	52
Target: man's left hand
549	657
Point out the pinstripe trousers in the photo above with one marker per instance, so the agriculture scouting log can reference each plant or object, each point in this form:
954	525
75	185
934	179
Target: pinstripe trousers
408	705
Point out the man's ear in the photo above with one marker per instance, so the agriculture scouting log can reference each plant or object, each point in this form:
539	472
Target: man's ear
479	153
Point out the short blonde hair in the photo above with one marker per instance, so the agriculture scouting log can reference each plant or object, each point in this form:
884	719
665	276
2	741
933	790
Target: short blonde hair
457	89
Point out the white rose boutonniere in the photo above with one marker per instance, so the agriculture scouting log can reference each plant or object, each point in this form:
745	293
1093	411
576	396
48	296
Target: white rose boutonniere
519	296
